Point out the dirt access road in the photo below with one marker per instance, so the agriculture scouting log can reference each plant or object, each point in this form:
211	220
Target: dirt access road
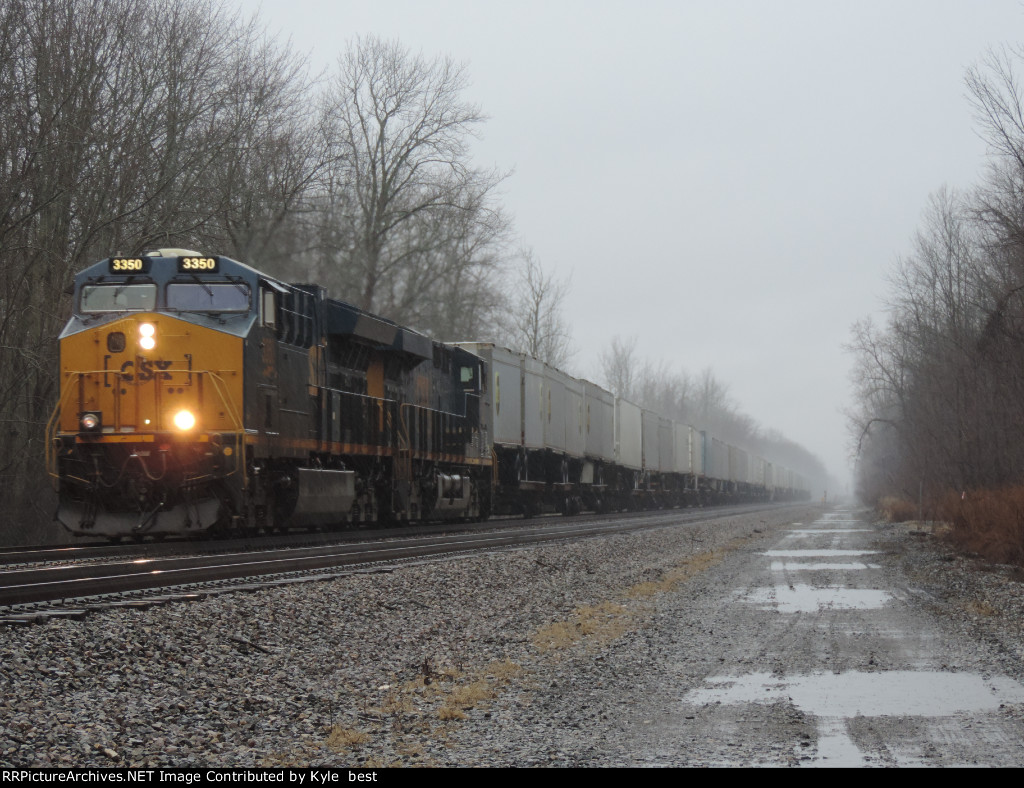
829	653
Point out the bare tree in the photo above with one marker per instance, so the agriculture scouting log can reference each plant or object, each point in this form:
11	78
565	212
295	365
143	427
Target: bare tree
660	389
402	179
279	156
712	406
937	388
619	363
537	324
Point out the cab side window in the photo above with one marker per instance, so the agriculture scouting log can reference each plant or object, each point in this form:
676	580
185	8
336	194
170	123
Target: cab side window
268	308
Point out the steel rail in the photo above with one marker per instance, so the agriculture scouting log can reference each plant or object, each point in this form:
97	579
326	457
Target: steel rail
69	581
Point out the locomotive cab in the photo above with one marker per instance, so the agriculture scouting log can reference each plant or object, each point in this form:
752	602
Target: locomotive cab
147	436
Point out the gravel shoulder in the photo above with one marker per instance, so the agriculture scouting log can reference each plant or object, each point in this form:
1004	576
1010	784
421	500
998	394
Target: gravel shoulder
559	655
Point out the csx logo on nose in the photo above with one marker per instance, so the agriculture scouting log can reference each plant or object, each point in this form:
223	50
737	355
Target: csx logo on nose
148	370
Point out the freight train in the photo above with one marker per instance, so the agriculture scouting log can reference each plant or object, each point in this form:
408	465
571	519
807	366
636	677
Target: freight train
199	395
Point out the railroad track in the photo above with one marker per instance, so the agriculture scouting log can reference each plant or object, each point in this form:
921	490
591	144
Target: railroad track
30	593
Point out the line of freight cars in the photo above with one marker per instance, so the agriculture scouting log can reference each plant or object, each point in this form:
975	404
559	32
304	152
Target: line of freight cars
567	444
200	395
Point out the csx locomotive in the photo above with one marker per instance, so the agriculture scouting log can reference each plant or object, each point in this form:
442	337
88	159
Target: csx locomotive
200	395
197	393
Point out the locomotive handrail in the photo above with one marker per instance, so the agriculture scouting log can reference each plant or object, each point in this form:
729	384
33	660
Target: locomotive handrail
237	429
51	433
450	426
405	452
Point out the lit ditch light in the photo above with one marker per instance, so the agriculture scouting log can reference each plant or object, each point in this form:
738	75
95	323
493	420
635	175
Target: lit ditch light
90	422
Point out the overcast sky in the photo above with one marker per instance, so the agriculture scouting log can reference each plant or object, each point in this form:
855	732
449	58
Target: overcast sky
727	181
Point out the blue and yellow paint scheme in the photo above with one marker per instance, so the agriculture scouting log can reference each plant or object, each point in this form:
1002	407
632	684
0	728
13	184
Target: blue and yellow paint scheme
199	394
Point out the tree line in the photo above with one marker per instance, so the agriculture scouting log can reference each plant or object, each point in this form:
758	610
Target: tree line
939	386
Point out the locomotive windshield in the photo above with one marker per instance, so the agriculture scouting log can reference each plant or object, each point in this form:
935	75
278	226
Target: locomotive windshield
208	297
118	298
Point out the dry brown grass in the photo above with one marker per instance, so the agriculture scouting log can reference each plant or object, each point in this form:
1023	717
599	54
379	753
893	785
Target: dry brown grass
989	523
449	713
397	702
464	697
456	691
645	589
607	621
675	576
437	682
897	510
504	671
980	607
603	622
448	694
344	739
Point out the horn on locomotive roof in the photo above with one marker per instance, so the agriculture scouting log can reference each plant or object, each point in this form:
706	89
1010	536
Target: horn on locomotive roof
172	253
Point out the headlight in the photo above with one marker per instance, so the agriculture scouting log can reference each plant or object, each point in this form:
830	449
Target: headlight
90	422
184	420
147	336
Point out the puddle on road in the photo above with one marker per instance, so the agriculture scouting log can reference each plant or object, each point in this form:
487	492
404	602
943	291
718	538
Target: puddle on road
836	698
896	693
806	566
825	553
801	598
